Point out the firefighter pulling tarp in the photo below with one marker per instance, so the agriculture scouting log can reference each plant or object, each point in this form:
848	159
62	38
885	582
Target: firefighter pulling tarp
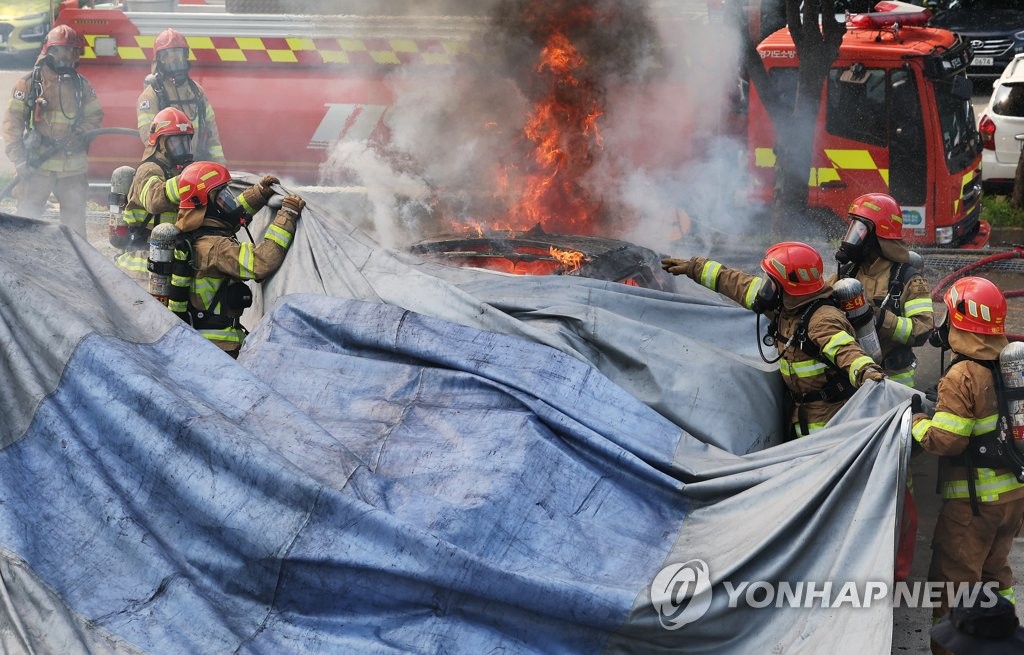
370	479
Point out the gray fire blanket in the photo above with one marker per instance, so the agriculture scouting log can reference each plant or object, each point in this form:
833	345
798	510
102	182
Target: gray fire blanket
405	461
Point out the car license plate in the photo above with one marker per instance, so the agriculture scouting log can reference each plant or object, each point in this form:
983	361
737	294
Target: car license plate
983	61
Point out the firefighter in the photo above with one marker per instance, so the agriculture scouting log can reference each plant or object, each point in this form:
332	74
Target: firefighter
169	85
153	198
45	129
873	252
983	503
821	362
208	218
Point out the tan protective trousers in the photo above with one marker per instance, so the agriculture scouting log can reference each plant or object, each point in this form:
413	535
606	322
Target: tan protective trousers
71	192
968	548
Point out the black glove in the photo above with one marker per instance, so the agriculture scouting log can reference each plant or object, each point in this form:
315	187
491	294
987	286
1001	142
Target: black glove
917	403
293	205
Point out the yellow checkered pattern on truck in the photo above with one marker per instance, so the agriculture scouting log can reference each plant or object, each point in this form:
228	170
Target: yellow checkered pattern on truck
285	50
840	160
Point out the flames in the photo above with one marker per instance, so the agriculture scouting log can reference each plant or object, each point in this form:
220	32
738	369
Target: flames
565	136
561	139
571	260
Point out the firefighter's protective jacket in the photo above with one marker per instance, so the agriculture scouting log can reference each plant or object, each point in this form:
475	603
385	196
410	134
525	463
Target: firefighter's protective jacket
152	199
220	257
966	408
63	107
190	98
910	323
828	328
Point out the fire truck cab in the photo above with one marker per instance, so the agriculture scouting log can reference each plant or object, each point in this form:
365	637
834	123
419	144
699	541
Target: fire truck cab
895	117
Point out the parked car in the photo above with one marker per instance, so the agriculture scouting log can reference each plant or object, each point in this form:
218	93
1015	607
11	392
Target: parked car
994	28
1000	123
23	26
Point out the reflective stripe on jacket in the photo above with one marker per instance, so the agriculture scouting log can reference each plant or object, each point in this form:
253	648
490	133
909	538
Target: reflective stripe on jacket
966	408
220	258
828	329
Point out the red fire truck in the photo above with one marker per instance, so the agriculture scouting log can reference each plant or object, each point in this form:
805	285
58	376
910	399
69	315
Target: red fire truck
895	117
331	80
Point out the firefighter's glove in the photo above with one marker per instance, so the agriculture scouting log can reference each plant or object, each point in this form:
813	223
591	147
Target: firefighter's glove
293	205
917	404
265	186
678	266
872	373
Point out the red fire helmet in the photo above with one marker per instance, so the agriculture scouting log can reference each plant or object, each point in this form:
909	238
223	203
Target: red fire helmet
976	305
167	122
198	180
63	35
795	266
882	211
169	38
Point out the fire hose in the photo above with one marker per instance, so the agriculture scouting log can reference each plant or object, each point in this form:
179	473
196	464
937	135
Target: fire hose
49	152
1015	253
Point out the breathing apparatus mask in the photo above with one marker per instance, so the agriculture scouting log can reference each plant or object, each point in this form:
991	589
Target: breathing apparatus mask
226	208
173	62
769	296
178	148
939	337
855	243
63	59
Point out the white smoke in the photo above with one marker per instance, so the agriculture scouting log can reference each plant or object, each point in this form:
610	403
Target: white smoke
668	146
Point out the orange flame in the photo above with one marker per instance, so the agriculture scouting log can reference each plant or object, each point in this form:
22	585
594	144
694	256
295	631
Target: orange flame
563	133
571	260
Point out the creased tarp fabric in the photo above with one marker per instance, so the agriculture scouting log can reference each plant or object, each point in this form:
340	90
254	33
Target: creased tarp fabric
684	354
368	479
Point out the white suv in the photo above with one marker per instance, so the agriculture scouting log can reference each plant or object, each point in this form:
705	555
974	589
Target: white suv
1001	121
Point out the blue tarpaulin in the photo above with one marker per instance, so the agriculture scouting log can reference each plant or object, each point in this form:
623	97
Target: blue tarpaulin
453	461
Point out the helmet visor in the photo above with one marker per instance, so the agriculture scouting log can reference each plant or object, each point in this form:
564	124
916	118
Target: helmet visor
857	233
179	147
228	208
173	61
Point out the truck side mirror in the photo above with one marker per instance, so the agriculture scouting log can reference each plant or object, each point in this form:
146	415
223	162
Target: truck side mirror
963	88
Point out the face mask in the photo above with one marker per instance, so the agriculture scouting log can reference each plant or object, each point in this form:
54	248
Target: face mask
179	149
62	59
939	337
851	250
173	62
768	297
226	207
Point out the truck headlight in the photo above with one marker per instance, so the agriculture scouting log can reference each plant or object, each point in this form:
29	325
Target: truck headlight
943	235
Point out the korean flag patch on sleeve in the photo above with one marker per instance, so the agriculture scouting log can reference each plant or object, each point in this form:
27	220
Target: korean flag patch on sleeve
19	94
144	105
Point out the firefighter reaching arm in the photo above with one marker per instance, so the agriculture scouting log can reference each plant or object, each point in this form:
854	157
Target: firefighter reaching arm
209	218
820	361
983	501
